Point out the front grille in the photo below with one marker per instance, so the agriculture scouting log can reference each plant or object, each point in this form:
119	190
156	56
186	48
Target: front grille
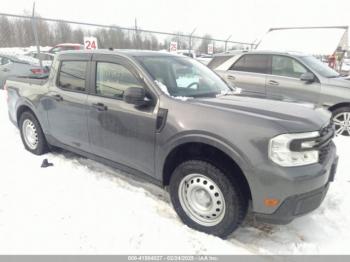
324	142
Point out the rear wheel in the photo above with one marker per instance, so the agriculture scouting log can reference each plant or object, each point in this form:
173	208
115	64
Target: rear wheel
32	135
341	119
206	199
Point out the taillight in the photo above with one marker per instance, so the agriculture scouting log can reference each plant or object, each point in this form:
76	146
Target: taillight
38	71
6	92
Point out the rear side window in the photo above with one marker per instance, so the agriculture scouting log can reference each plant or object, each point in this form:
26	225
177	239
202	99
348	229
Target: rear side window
252	63
72	75
218	60
113	79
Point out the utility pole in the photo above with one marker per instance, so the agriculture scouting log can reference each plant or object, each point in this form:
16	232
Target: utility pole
190	43
228	38
137	36
36	36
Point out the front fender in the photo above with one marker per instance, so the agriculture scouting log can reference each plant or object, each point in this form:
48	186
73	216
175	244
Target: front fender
162	151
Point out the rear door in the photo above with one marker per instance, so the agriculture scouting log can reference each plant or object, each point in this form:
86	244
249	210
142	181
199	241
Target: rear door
284	81
66	102
249	72
118	131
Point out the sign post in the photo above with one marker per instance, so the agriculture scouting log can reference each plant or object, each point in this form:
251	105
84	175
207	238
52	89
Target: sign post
210	49
90	43
173	47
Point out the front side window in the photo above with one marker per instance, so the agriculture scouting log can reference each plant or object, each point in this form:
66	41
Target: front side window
113	79
183	77
258	63
72	75
321	68
287	66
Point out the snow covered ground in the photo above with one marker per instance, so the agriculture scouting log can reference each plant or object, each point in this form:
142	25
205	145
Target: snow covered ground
79	206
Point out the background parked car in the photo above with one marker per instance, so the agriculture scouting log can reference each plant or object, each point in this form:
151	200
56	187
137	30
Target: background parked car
65	47
288	76
15	66
46	58
346	66
205	59
189	53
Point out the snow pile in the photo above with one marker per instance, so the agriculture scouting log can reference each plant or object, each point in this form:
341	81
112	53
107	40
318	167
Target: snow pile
22	54
22	50
79	206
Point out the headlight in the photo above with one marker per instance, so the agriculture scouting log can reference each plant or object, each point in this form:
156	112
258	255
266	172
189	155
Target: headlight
280	149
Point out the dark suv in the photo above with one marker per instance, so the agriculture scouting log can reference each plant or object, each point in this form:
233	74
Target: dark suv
172	120
288	76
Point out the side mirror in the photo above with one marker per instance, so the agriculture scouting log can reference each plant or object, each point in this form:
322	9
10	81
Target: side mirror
135	96
307	77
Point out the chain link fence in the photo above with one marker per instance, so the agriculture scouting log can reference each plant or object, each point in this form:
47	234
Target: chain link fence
22	34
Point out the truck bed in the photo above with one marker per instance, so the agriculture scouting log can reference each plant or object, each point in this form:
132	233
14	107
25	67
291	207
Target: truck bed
29	80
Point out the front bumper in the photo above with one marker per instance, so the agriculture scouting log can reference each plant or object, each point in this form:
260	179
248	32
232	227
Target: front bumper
298	205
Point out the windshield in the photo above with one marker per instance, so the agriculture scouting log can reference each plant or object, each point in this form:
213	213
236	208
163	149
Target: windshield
321	68
183	77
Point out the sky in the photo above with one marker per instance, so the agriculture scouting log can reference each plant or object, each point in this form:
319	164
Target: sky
245	20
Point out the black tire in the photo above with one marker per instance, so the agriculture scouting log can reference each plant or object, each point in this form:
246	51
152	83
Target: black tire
338	111
42	146
235	201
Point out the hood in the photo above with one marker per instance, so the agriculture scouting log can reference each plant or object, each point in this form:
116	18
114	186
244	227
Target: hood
340	81
293	117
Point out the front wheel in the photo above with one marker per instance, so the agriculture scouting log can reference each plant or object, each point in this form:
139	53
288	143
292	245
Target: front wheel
206	199
341	120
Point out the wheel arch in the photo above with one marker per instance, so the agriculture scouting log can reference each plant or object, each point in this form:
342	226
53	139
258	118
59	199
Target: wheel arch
24	108
339	105
215	153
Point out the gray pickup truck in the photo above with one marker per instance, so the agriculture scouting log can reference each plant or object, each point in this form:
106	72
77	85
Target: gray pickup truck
288	76
172	120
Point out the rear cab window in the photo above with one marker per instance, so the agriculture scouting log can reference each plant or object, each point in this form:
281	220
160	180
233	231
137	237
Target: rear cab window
72	75
253	63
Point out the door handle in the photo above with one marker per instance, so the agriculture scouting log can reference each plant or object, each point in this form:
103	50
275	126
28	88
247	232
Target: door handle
230	77
100	107
5	70
273	83
58	98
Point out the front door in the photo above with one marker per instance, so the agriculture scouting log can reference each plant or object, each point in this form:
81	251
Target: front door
118	131
284	82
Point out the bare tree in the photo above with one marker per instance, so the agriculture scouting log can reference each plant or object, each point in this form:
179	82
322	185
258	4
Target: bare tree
63	32
203	47
78	36
6	33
